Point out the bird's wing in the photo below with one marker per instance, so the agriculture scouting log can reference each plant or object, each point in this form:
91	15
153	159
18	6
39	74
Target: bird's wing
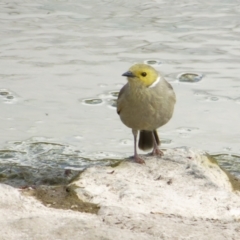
119	100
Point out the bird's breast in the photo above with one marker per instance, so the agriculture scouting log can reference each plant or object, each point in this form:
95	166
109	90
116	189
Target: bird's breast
145	109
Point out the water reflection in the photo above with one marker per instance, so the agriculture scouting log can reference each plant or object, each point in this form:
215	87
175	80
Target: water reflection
7	96
189	77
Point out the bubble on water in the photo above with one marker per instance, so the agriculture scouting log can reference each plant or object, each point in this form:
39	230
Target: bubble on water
107	97
7	96
93	101
10	97
214	98
3	93
152	62
114	93
189	77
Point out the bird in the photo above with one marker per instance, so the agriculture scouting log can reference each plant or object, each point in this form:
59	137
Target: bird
145	103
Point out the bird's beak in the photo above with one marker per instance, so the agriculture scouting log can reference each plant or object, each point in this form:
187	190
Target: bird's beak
128	74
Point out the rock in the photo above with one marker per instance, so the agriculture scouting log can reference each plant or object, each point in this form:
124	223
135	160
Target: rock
184	195
183	188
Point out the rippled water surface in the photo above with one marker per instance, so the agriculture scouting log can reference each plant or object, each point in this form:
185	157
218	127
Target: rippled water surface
61	65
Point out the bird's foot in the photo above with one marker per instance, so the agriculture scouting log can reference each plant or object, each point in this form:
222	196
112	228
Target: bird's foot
139	160
157	152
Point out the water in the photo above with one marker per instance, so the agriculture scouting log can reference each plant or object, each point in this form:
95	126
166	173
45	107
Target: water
61	65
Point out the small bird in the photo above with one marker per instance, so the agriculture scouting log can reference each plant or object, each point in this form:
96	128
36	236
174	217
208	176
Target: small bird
144	104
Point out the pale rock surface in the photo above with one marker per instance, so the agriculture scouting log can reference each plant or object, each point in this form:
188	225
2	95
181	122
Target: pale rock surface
24	218
180	196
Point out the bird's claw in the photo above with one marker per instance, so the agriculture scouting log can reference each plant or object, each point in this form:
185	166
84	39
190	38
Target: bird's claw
139	160
157	152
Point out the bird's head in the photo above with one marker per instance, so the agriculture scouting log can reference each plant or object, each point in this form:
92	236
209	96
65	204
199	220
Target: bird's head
141	74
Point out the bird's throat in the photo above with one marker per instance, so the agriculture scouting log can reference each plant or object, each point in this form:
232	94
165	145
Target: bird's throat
155	83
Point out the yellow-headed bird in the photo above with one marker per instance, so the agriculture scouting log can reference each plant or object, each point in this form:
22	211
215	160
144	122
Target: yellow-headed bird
144	104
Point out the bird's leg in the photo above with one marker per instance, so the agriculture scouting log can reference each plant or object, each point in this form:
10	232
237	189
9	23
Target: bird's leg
156	151
136	157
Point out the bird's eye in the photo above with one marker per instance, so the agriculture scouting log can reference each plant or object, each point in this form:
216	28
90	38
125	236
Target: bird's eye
144	74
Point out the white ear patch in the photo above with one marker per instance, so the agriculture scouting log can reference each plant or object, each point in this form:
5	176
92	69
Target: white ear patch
155	83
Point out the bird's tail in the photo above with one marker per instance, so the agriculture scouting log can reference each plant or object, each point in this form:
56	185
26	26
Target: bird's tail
146	139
